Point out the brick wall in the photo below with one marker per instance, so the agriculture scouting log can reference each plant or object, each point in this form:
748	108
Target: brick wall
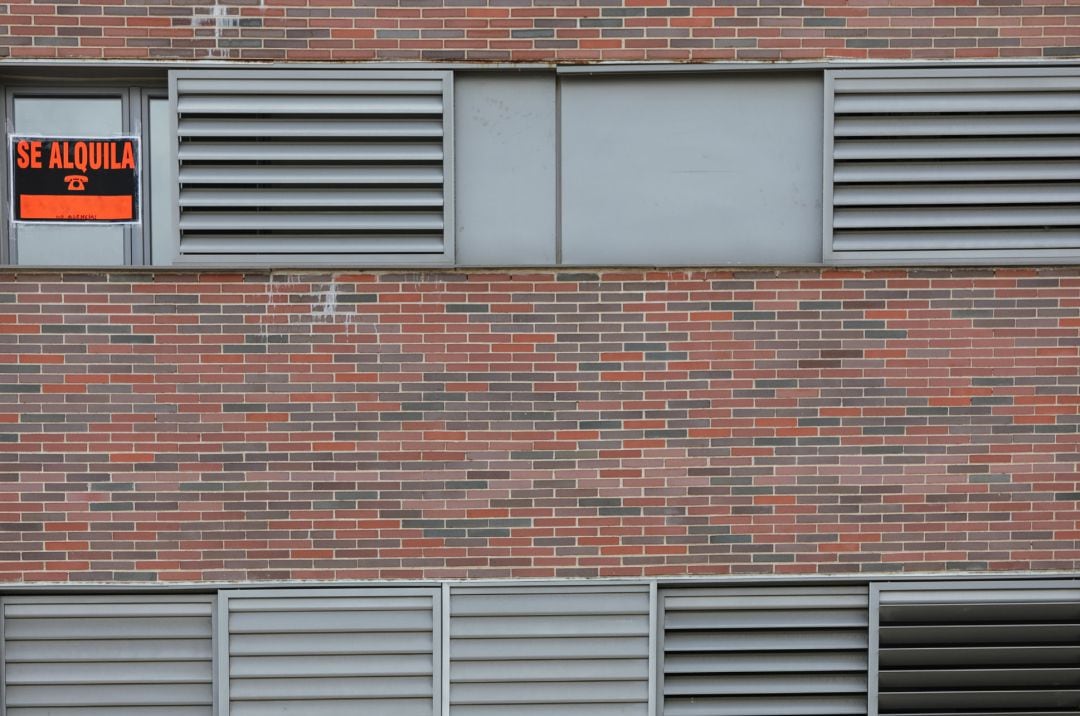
185	426
565	30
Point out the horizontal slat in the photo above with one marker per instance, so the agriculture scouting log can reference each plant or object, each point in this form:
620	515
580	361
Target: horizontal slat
888	125
309	198
925	102
549	604
937	194
106	628
736	641
593	647
329	176
320	221
82	650
935	217
109	695
301	689
323	103
204	710
980	171
676	663
1018	676
771	684
334	604
333	707
336	622
828	705
998	700
329	643
320	85
979	655
1000	83
772	619
550	693
956	148
294	151
105	609
765	601
308	127
331	665
975	612
281	243
550	626
961	634
1029	239
106	672
538	670
1007	596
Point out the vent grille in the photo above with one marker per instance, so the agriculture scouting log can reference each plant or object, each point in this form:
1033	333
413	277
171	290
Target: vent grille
765	652
332	652
979	651
951	164
322	166
98	656
549	651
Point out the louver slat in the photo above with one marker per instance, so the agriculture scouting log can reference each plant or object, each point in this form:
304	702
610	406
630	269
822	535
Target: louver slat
313	166
549	650
331	652
941	165
1006	651
115	655
765	652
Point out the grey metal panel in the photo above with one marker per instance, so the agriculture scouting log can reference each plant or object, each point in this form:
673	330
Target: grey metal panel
691	170
332	651
765	651
119	655
1007	649
505	169
546	650
938	166
272	154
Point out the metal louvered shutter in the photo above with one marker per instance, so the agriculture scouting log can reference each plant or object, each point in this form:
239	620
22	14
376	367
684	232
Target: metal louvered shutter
108	656
539	651
765	651
332	651
1004	648
291	166
952	165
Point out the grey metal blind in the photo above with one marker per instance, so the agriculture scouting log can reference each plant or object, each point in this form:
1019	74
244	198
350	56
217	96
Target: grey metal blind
765	651
952	164
1002	649
535	651
332	651
108	656
323	166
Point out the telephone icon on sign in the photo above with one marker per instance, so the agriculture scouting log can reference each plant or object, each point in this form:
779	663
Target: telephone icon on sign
76	182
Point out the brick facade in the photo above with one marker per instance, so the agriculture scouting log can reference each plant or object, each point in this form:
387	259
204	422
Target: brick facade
540	30
228	426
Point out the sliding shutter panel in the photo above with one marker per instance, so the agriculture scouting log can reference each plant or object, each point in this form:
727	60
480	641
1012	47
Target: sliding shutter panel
1000	649
543	651
313	166
329	651
934	165
765	651
108	656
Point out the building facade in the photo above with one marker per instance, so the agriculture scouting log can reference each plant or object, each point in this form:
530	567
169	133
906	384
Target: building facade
612	357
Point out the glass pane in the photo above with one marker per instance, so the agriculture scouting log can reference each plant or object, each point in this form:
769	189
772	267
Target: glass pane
86	245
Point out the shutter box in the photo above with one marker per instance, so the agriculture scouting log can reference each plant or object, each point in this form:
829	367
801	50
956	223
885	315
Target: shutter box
320	167
330	652
1002	648
549	651
760	651
952	166
108	656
